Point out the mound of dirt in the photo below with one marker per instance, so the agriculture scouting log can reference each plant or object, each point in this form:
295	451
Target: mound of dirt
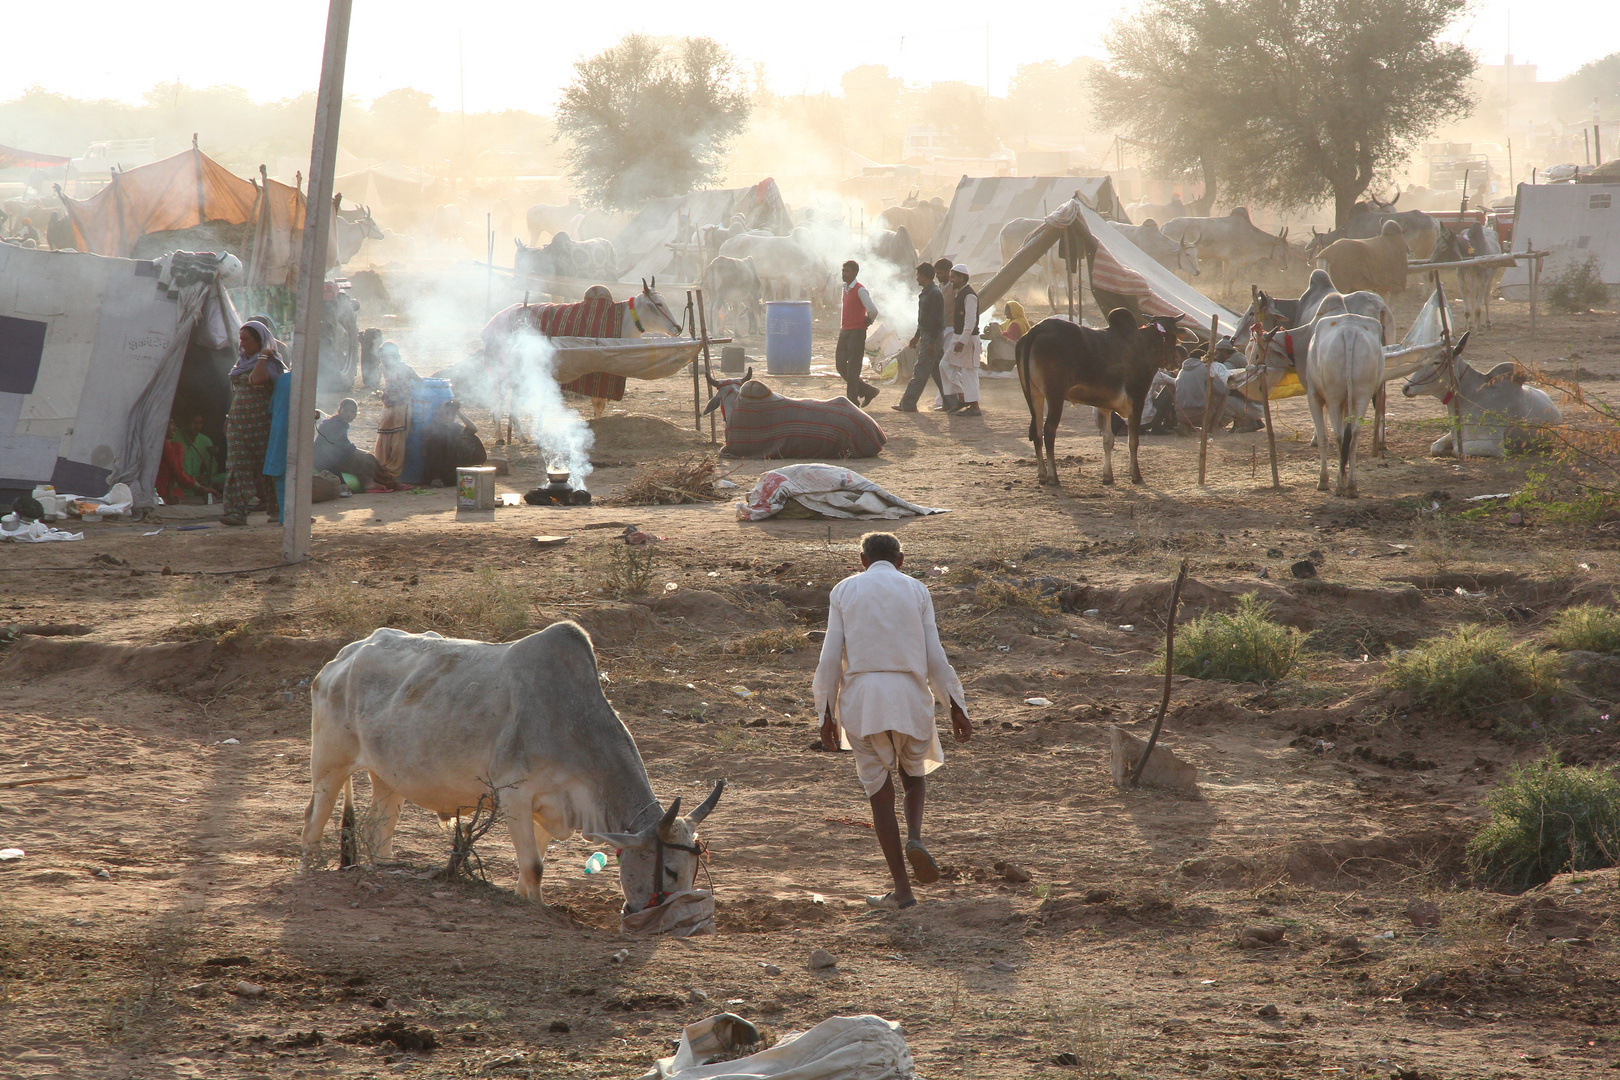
1303	604
614	624
701	609
626	433
172	665
1336	864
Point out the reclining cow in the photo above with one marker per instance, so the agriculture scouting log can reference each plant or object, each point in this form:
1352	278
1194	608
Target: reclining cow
442	722
1111	370
762	423
1498	409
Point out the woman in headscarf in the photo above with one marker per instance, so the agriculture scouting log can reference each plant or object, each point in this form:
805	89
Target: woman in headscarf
1017	322
399	382
247	426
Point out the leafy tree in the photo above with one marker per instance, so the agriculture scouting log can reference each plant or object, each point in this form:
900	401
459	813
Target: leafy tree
1285	102
1049	97
650	117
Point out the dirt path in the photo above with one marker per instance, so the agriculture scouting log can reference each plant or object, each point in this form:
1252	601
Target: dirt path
150	889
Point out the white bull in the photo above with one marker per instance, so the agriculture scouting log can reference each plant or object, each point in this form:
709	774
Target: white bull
1343	370
442	722
1179	255
1234	242
1497	408
786	268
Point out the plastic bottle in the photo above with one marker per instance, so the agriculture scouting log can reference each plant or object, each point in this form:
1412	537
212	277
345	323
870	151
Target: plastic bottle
596	863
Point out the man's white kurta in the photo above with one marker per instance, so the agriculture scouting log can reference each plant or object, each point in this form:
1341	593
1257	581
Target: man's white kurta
882	666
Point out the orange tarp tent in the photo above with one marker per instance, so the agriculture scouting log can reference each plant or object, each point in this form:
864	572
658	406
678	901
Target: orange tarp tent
187	190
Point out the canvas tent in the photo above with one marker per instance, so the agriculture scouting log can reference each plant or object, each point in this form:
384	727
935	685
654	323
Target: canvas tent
643	245
190	190
971	231
1573	221
13	158
1119	271
92	353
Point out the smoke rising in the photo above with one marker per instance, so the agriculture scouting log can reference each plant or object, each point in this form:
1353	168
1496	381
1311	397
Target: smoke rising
564	438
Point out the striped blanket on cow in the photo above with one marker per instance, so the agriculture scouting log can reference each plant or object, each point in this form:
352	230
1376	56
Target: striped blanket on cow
587	319
764	424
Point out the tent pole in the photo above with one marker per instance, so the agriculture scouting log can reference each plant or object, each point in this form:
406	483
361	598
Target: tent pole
1265	391
1535	276
295	544
1455	406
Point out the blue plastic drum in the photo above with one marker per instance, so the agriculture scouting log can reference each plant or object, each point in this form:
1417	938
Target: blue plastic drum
426	397
787	337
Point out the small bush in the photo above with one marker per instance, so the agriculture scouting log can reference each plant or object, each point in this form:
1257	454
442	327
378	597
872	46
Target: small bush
1548	818
767	642
993	595
1473	671
1579	287
1588	627
629	571
1245	646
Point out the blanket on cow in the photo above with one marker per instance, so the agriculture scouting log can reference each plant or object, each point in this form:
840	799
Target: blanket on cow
764	424
587	319
827	490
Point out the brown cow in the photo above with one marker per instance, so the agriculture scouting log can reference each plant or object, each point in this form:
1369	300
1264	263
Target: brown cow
1111	370
1377	265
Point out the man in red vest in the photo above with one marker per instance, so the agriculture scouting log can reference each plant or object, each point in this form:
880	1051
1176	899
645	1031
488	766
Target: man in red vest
856	313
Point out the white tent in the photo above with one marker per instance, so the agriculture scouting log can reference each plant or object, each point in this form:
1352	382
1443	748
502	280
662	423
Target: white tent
1572	221
91	352
971	231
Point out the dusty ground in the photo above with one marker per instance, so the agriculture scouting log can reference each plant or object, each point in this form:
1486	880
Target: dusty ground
153	886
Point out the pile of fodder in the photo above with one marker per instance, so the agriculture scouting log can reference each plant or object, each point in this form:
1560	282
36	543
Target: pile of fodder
677	483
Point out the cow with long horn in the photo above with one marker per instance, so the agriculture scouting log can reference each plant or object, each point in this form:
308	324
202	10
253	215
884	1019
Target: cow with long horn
446	723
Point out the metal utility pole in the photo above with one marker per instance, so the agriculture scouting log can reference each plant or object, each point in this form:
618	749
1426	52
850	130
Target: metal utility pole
295	542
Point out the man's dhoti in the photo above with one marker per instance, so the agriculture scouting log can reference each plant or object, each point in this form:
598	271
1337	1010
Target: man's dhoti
959	368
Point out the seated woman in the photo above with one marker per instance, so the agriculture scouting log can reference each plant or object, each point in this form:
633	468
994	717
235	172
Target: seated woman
173	483
1017	322
450	441
336	453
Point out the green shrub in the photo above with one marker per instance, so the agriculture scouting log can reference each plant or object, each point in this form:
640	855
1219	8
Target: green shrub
1588	627
1245	646
1473	671
1578	287
1546	819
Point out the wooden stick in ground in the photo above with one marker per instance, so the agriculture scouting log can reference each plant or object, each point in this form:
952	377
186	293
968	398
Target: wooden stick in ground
1262	350
1169	671
697	393
7	785
703	329
1454	402
1209	396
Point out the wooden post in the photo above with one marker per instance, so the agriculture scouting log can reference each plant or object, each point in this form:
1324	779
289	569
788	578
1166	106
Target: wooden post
697	395
1455	405
1209	395
1262	343
1169	672
295	543
703	330
1535	279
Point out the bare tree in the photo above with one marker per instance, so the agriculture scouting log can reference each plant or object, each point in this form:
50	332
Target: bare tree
651	117
1286	102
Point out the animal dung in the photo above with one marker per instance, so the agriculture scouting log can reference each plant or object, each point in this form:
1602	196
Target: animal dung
1163	769
1261	936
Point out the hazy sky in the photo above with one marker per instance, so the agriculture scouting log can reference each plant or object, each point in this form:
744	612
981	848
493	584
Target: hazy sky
518	55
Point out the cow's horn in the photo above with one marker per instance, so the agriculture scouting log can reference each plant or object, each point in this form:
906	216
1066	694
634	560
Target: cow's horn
749	374
667	822
713	385
702	809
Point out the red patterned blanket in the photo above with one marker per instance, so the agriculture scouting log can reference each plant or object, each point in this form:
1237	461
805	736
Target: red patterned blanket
588	318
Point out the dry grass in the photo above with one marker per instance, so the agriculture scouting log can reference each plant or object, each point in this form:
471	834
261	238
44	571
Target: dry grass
627	571
689	481
767	642
489	607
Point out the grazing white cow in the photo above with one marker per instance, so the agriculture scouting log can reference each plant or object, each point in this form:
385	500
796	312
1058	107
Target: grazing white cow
1233	241
1343	370
1498	409
1476	283
1180	256
442	722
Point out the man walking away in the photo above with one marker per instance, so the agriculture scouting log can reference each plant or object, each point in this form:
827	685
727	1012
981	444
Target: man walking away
929	340
959	367
882	669
857	313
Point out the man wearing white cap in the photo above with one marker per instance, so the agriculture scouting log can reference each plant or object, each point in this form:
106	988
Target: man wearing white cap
959	367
